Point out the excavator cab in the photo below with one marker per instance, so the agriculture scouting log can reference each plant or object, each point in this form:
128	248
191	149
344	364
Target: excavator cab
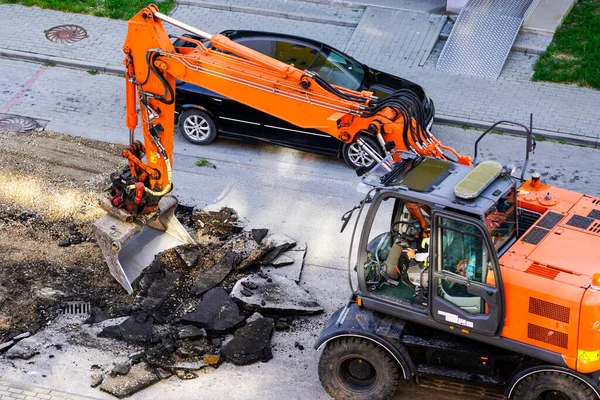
431	236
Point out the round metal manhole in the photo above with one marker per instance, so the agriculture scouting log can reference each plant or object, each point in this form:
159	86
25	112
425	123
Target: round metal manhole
66	34
16	124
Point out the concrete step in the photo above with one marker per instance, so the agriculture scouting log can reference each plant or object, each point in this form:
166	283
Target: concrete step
290	9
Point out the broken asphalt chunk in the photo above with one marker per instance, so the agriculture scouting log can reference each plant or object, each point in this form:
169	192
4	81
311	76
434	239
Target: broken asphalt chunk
190	332
258	234
251	343
253	258
216	313
121	368
215	274
280	295
6	345
293	270
139	377
188	254
96	380
24	349
135	329
278	239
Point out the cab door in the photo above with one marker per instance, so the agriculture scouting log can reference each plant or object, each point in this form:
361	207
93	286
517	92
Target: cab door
466	286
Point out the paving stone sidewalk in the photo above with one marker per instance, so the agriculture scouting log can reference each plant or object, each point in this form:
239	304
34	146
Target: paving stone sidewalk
19	391
384	39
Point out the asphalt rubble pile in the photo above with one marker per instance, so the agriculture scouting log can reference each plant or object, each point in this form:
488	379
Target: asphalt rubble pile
197	306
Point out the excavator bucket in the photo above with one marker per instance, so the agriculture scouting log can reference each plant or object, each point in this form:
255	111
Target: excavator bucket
129	247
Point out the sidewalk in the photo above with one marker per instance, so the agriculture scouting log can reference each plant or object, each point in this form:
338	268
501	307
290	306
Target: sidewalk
387	39
19	391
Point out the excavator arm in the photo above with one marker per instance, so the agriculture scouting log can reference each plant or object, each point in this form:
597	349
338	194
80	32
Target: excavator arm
300	97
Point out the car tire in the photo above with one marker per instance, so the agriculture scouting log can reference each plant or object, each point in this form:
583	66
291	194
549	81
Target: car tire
197	127
352	368
550	384
355	157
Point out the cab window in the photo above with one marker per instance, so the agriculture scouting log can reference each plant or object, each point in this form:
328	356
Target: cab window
464	256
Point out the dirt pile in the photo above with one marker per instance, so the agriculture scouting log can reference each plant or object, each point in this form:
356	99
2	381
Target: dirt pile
181	316
47	197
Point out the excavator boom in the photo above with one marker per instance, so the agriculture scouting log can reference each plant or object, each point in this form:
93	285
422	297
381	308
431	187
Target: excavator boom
302	98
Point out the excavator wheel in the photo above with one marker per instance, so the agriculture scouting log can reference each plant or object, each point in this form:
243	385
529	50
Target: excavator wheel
352	368
553	386
356	157
197	127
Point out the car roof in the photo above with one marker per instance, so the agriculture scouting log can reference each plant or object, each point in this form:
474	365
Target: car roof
240	33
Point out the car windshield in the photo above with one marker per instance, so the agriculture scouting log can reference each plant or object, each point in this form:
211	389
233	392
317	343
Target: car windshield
338	69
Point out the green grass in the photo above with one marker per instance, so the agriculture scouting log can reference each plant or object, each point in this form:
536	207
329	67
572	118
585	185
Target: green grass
574	54
202	162
116	9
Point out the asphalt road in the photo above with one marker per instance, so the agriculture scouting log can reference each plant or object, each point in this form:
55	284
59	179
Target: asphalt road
304	196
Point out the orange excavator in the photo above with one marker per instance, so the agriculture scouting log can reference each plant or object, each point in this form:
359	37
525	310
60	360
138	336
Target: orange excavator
138	199
467	276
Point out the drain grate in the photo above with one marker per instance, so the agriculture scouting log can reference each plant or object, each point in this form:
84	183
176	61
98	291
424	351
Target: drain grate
75	308
18	124
66	34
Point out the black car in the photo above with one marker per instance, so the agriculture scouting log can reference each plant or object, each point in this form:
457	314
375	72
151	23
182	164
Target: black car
203	114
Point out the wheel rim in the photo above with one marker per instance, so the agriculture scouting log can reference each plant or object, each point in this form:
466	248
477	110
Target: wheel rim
359	157
356	373
196	127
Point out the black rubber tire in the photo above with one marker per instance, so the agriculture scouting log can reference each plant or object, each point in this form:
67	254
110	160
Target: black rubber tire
197	127
350	152
543	385
341	356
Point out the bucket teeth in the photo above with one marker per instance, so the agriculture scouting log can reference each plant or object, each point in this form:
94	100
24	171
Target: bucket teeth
129	247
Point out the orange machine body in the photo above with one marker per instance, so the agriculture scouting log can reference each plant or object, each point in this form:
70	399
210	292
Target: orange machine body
549	298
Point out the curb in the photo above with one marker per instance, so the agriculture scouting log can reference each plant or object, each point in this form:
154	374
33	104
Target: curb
61	61
440	118
268	13
511	130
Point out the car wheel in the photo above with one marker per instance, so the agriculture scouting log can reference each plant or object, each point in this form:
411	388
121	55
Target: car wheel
357	157
357	369
197	127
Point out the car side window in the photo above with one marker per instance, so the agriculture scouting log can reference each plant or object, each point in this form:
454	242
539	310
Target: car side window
288	51
338	69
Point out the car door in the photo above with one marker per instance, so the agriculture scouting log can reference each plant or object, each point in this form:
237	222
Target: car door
301	54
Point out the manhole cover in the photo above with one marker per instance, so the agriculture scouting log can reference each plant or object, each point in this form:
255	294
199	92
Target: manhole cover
18	124
66	34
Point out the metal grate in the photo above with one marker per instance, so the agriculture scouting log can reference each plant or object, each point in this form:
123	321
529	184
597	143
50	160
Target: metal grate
75	308
550	220
580	222
595	227
535	235
594	214
549	310
526	219
546	335
542	271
